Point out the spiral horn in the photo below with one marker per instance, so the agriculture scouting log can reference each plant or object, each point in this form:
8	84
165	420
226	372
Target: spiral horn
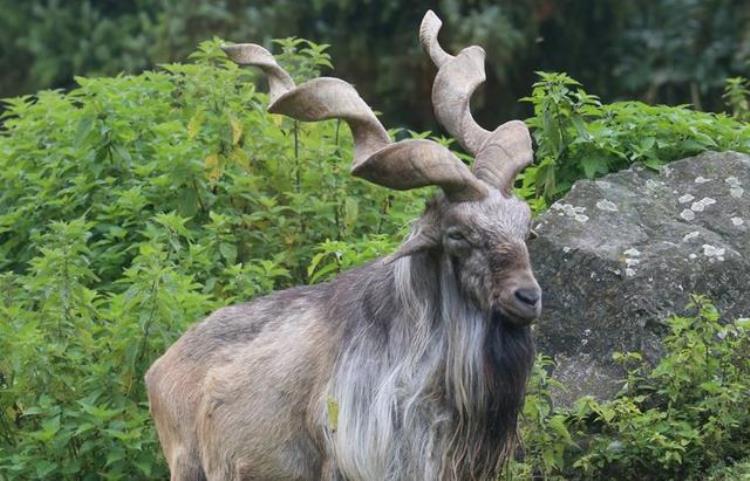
501	154
402	165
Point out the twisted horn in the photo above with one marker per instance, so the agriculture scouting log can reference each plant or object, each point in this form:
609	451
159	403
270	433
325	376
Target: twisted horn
279	82
404	165
500	154
457	79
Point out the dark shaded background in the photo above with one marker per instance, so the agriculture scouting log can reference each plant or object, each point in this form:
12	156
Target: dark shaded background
660	51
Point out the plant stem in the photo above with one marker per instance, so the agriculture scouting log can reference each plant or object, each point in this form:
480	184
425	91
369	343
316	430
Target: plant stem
298	176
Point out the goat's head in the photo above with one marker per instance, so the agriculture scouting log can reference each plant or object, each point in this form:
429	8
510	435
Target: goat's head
477	225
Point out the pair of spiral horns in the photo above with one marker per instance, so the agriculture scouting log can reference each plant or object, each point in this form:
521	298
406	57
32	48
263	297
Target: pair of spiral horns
499	154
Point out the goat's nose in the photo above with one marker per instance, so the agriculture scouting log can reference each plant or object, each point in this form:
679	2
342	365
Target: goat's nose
529	296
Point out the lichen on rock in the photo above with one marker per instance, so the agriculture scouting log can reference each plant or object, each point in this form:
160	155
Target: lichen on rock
612	279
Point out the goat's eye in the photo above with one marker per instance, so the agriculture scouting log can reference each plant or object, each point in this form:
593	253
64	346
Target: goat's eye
456	235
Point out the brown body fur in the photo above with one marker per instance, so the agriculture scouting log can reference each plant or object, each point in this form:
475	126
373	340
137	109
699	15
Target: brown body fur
246	383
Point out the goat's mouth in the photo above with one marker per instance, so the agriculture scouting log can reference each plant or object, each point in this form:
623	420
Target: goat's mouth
509	319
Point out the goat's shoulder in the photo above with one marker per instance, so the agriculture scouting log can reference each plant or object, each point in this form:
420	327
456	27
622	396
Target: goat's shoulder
363	298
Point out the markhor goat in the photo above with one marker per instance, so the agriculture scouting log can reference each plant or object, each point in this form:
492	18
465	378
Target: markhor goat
411	368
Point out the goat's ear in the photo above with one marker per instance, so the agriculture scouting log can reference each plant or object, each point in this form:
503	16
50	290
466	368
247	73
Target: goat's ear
414	245
426	236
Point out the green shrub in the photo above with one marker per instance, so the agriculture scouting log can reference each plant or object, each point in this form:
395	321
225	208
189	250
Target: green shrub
737	97
676	421
578	137
739	471
132	206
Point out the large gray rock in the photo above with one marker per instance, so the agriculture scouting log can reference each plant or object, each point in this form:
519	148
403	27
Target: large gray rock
618	255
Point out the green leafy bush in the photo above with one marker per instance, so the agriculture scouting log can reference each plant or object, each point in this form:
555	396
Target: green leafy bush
579	137
132	206
677	421
737	97
739	471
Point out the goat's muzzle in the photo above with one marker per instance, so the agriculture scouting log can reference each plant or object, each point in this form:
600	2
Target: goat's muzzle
522	308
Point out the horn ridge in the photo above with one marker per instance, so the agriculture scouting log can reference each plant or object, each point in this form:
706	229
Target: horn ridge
452	89
428	33
419	163
505	153
501	154
328	98
457	79
279	81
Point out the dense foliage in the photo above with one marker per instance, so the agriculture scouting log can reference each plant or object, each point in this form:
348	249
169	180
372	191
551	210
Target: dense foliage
668	51
132	206
579	137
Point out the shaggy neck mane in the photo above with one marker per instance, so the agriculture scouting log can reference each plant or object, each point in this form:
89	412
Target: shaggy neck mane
428	387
